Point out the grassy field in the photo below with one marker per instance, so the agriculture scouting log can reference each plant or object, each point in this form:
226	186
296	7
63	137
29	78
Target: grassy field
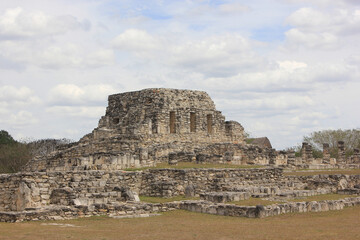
308	172
342	224
185	165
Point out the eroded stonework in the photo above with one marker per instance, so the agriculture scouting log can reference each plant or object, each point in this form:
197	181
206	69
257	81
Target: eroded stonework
152	126
142	128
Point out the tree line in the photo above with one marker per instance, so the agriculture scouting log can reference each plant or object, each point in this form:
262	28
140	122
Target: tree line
15	154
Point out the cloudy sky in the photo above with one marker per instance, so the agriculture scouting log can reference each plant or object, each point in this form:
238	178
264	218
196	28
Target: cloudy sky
282	68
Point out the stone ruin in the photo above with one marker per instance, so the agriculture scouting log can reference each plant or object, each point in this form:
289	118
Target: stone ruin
152	126
143	128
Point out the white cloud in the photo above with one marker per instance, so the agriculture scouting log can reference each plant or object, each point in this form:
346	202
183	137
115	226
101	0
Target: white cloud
21	118
324	3
275	102
297	38
136	40
75	111
291	66
219	56
71	94
21	96
321	29
233	8
100	57
17	24
56	56
309	18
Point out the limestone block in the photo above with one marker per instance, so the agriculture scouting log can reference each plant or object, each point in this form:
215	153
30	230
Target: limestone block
23	197
342	184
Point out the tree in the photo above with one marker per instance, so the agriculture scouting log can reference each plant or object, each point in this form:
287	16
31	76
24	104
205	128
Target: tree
351	138
13	154
43	147
6	138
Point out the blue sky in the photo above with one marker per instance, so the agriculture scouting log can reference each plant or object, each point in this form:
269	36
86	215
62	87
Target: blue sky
282	68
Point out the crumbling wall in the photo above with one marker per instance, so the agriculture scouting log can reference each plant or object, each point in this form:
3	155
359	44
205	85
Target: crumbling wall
239	154
333	182
173	182
28	190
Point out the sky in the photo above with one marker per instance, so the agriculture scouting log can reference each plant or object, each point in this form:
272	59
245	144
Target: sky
282	68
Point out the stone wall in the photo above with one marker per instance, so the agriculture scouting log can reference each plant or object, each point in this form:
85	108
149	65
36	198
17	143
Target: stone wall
333	182
261	211
28	190
72	194
173	182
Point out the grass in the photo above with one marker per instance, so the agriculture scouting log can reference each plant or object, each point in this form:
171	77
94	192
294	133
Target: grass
176	225
164	200
309	172
185	165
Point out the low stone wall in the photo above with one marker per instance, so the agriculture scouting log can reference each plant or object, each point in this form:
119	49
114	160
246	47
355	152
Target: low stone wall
333	182
222	197
173	182
261	211
349	191
24	191
55	212
31	190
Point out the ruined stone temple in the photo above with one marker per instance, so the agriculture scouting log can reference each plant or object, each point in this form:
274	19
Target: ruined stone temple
146	127
143	128
151	126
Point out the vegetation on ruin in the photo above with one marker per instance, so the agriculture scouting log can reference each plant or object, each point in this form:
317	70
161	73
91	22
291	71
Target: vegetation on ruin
179	224
15	154
351	138
185	165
